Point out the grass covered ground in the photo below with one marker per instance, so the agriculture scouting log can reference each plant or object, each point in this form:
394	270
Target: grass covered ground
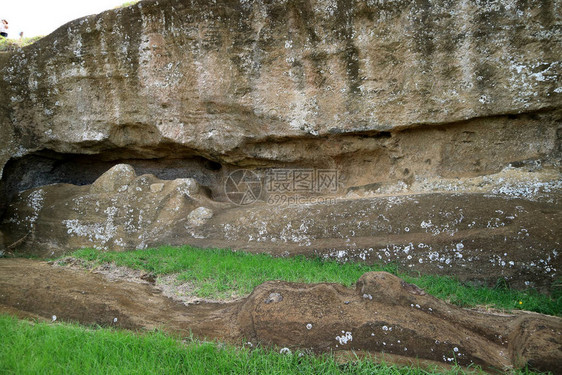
223	274
61	348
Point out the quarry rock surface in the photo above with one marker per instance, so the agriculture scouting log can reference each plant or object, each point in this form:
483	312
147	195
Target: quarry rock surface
427	135
242	81
386	315
478	237
217	78
382	316
440	124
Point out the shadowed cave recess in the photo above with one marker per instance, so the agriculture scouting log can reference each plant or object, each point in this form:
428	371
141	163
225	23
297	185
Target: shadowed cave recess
48	167
365	161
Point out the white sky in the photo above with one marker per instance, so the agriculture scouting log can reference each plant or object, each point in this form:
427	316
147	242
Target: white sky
41	17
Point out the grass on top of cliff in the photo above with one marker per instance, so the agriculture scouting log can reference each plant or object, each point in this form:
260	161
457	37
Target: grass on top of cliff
62	348
226	274
10	45
126	4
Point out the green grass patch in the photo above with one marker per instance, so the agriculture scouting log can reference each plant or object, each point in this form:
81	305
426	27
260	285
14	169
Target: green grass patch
10	45
61	348
222	274
126	4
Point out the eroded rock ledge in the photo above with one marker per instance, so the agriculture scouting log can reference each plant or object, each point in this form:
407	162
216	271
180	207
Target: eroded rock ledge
442	121
494	228
383	314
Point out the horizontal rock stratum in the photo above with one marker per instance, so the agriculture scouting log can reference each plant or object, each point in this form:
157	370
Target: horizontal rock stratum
440	123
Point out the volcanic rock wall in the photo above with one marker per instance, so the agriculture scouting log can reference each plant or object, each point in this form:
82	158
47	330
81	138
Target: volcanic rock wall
216	78
454	104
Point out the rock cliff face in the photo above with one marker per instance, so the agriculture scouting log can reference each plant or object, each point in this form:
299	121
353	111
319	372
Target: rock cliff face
455	105
222	78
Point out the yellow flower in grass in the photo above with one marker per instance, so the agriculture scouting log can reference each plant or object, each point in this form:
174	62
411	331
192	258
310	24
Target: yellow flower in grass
520	302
